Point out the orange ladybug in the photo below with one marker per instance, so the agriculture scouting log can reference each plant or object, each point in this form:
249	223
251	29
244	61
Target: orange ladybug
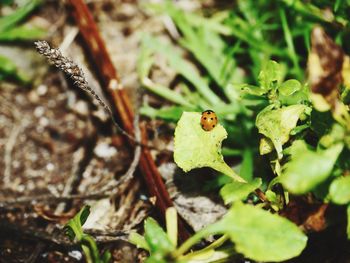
208	120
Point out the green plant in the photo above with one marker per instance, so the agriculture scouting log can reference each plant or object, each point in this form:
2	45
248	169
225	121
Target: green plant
76	233
284	124
12	29
301	127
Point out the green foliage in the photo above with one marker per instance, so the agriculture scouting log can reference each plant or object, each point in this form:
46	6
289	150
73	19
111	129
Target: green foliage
74	230
260	235
308	168
12	30
270	76
10	21
277	124
9	70
256	233
340	190
156	238
236	191
256	99
196	148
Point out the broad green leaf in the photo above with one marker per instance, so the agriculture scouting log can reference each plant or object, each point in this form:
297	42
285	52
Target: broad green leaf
299	97
237	191
260	235
156	238
340	190
277	124
308	168
196	148
270	75
289	87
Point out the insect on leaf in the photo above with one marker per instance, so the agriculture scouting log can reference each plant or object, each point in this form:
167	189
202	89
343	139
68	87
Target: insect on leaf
196	148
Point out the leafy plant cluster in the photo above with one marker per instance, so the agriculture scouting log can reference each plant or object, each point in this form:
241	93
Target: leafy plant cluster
74	230
306	148
13	29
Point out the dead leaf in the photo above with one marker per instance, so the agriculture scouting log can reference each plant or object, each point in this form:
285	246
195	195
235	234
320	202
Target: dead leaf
325	66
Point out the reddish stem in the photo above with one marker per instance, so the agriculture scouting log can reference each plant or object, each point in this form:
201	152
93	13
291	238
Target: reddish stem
112	86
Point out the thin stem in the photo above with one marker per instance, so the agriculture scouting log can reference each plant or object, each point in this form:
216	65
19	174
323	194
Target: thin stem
217	243
190	242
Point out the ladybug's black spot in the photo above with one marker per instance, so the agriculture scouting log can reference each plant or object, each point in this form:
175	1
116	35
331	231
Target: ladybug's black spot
216	118
213	126
212	118
205	118
202	126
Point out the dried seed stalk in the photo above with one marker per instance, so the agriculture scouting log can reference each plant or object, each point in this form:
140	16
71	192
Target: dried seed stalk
68	66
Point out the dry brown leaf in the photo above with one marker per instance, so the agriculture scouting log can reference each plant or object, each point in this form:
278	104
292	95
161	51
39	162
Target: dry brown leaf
325	65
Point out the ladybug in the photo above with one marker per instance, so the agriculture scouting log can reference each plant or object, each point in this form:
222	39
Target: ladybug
208	120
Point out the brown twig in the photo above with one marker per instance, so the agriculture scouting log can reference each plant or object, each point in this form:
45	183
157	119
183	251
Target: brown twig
113	87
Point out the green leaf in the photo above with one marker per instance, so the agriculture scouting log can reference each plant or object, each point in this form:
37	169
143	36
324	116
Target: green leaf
171	114
106	257
22	33
277	124
260	235
138	240
270	75
236	191
289	87
182	66
251	89
156	238
90	248
74	226
308	168
11	20
84	214
196	148
340	190
247	166
8	69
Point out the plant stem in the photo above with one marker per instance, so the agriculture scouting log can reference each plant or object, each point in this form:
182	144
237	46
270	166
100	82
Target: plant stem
189	243
217	243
